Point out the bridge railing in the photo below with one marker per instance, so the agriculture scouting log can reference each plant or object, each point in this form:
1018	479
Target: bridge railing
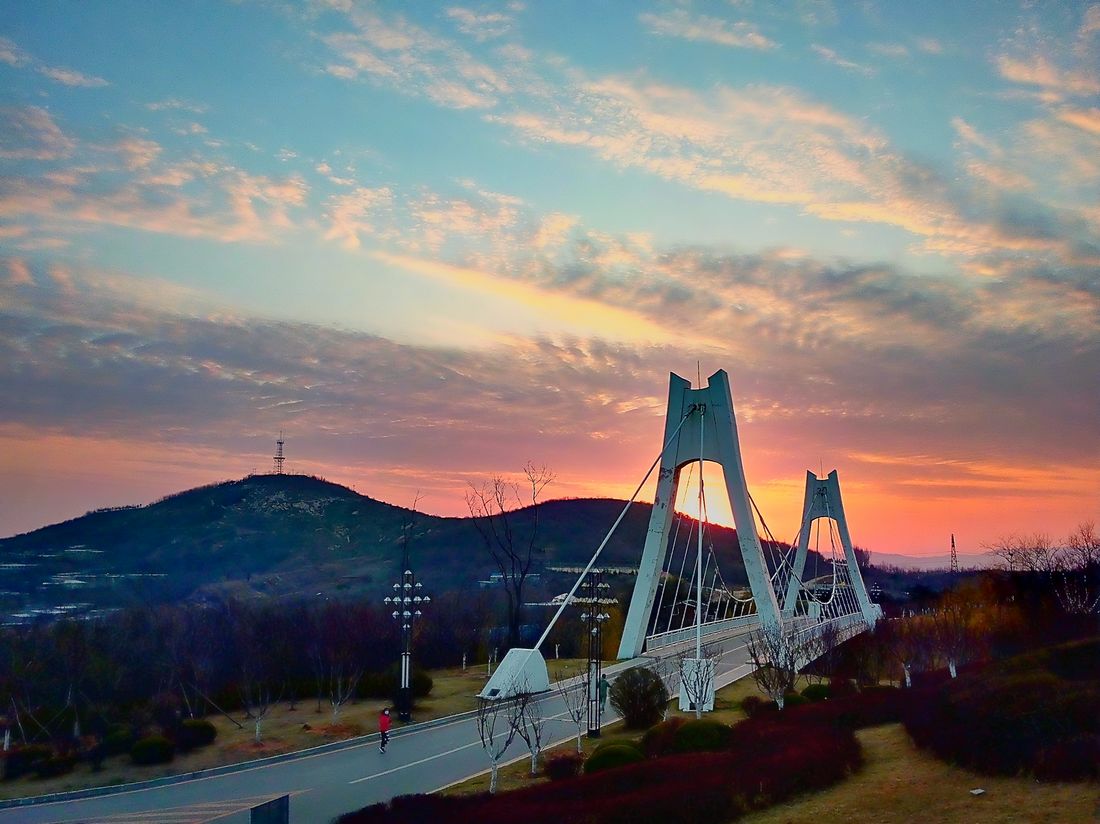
677	636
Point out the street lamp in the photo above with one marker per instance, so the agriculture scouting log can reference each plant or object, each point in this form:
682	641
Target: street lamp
593	619
407	603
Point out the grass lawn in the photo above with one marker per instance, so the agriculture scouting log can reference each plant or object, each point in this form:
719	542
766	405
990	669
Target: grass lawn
899	783
283	731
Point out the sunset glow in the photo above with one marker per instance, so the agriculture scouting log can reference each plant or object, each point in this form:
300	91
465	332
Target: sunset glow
432	242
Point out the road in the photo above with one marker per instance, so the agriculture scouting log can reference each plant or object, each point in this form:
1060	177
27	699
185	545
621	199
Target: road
420	758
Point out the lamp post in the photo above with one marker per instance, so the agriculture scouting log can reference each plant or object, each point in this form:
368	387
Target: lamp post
593	619
407	602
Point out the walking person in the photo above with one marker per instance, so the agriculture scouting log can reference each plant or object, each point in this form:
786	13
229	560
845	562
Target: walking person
603	687
384	729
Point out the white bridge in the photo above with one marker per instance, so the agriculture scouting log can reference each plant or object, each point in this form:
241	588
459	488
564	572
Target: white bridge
680	594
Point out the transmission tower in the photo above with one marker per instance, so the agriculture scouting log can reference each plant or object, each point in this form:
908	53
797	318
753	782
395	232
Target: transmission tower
279	458
954	557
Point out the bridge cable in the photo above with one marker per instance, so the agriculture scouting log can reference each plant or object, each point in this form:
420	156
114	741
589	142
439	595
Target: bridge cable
588	568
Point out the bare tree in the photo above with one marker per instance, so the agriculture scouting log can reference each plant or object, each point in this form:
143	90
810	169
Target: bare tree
668	669
493	508
1027	553
907	641
532	724
774	657
952	630
697	676
574	695
1077	587
337	664
498	722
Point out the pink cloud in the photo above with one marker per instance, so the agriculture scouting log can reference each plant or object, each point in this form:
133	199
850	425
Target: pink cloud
30	133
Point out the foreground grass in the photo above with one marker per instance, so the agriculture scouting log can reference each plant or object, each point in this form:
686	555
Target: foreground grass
284	730
900	783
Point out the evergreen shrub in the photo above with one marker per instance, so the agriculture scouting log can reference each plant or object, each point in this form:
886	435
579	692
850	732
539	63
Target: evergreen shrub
701	735
640	696
611	755
153	749
195	732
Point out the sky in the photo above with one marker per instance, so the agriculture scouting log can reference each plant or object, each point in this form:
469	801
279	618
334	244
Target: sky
431	242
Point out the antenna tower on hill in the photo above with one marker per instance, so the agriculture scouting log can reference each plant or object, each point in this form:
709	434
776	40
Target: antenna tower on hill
954	557
279	458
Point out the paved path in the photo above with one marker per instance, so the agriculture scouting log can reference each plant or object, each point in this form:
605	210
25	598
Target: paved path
420	758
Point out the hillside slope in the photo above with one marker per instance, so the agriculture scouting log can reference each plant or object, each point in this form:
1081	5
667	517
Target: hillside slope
290	535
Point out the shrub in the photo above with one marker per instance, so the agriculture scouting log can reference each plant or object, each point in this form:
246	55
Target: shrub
754	705
658	739
117	741
701	735
22	760
1016	716
1074	759
816	692
154	749
563	765
195	732
841	688
793	699
54	765
609	756
640	697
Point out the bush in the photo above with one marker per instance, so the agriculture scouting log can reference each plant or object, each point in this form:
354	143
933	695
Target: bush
640	697
841	688
792	700
195	732
609	756
701	735
22	760
816	692
118	740
1075	759
154	749
754	705
1018	715
562	766
54	765
658	739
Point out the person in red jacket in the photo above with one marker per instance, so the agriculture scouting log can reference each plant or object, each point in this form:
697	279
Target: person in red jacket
384	729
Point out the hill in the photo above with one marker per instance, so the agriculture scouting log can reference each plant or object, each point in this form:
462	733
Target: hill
289	536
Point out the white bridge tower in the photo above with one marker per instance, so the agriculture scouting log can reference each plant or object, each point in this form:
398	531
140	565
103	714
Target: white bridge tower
699	426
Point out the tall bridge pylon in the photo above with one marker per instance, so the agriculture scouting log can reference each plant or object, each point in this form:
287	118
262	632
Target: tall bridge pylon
699	426
823	501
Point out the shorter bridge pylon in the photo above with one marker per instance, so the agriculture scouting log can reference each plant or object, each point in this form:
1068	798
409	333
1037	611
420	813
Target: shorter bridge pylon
823	501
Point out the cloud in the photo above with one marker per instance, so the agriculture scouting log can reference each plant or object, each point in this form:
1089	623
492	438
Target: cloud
19	274
830	56
176	104
892	50
889	375
391	49
69	77
13	55
699	28
481	26
354	214
1038	70
1087	119
30	133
